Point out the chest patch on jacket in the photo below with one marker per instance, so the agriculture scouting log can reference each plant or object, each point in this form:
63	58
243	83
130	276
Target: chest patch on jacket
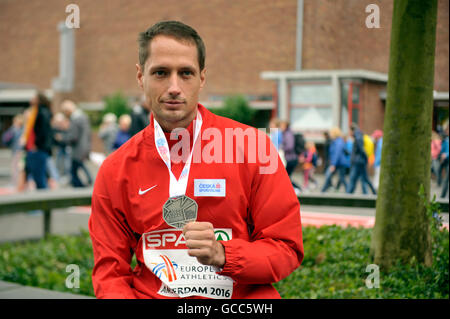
209	187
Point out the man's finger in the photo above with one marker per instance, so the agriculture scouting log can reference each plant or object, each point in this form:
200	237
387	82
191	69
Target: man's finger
199	234
199	244
197	226
200	253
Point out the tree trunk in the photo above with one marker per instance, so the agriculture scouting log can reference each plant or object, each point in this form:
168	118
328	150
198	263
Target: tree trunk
401	228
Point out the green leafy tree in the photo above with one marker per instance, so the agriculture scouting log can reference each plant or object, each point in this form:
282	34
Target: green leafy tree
237	108
402	229
117	104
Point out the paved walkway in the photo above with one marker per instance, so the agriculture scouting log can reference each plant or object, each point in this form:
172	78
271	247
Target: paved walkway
10	290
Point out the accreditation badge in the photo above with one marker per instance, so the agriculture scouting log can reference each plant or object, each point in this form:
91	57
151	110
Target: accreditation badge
165	254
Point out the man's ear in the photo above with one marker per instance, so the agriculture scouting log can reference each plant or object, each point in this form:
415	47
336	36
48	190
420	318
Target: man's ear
140	76
202	78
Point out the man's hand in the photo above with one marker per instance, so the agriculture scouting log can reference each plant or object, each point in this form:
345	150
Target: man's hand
202	243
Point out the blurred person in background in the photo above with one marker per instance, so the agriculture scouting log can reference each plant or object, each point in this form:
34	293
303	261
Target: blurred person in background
369	149
37	139
108	132
326	150
309	160
347	154
444	161
123	134
11	139
276	136
60	125
337	159
436	144
23	174
139	116
288	146
359	162
78	137
377	135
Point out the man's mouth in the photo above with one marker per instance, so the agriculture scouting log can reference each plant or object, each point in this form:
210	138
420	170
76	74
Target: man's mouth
173	103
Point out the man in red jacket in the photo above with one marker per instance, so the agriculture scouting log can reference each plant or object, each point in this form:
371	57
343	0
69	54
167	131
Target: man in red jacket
214	222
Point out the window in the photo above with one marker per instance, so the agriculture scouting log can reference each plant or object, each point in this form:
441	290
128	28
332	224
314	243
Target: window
310	105
311	94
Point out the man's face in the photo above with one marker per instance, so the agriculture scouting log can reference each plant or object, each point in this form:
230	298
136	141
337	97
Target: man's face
171	81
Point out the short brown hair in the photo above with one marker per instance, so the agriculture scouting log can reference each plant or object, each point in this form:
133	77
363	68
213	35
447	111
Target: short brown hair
175	29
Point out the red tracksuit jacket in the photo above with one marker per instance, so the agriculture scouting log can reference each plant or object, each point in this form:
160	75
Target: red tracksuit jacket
262	211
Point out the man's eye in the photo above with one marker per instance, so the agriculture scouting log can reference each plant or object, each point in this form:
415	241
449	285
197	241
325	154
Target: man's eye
159	73
186	73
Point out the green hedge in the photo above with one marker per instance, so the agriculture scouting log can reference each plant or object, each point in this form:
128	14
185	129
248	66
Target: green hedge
43	263
334	266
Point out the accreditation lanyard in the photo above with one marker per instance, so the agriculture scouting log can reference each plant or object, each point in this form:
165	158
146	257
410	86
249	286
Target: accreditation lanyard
177	187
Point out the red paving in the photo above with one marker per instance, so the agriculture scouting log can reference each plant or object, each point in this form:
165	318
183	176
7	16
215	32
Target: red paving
6	191
320	219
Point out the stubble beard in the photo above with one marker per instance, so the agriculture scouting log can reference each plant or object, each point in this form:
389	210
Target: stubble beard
172	119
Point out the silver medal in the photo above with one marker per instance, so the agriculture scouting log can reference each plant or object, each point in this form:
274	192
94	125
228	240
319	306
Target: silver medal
178	211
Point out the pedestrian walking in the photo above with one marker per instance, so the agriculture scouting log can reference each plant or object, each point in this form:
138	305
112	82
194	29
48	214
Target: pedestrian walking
288	146
377	135
139	117
436	144
60	125
326	150
11	139
347	155
276	136
108	132
359	159
337	159
37	140
78	137
445	161
123	134
309	160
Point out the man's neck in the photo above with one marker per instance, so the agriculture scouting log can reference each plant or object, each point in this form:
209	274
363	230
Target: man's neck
168	126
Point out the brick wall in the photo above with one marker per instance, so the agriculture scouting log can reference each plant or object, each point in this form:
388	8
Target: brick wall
372	107
336	37
242	39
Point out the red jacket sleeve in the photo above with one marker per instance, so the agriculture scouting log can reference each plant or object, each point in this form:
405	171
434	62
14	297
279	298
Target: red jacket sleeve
112	242
276	247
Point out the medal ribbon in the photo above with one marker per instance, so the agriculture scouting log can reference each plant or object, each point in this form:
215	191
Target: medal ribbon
176	187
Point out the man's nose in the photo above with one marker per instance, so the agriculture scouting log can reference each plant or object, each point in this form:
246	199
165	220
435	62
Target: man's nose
174	87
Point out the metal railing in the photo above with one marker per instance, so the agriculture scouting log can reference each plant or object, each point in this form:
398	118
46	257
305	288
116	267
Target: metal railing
46	200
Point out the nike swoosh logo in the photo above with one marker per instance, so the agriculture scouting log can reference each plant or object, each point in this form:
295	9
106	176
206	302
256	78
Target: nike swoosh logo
141	192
